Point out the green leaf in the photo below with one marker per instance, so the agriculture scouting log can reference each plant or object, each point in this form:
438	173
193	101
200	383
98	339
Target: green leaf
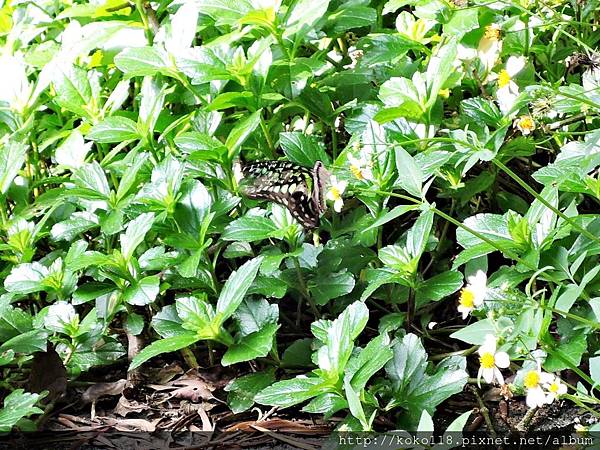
368	362
12	157
254	345
142	61
475	333
161	346
235	289
18	404
167	322
289	392
249	229
440	67
462	21
91	176
142	292
327	286
410	177
414	388
303	16
114	129
26	278
253	314
302	149
241	131
418	235
243	390
73	91
196	315
347	17
78	223
439	287
201	146
135	233
28	342
134	324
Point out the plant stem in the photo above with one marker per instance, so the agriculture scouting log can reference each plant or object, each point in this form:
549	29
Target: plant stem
304	289
139	4
265	131
189	357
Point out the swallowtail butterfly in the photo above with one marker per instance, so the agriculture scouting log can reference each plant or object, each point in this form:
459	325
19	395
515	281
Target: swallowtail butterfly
299	189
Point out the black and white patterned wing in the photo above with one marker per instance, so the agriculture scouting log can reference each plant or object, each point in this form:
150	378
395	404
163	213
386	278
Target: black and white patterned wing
286	183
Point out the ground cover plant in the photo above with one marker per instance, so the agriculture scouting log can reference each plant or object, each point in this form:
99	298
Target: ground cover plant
420	251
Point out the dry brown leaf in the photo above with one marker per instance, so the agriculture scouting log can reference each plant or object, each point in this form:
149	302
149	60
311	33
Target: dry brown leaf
48	373
192	390
98	390
131	424
126	406
289	426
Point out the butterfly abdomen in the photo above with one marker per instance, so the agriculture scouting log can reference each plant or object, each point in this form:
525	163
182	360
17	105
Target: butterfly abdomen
286	183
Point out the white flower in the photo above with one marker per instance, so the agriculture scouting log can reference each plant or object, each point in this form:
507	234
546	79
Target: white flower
554	388
525	124
491	361
360	167
336	189
536	397
508	91
490	46
473	294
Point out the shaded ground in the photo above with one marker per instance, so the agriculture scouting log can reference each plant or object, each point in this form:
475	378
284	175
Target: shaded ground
172	408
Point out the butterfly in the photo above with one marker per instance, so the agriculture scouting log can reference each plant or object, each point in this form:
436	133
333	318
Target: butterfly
299	189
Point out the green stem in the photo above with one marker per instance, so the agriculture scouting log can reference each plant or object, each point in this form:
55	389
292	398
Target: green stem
542	200
139	4
265	131
304	289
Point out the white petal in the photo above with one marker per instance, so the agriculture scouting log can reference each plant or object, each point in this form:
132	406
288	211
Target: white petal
488	375
562	389
479	374
479	279
464	310
489	344
502	360
535	397
342	186
330	196
515	64
498	375
546	377
337	206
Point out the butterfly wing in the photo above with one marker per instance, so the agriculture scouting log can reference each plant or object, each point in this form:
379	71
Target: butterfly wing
286	183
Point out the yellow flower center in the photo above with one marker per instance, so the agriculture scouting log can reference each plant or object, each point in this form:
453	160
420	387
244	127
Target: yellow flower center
356	171
444	93
335	193
492	32
487	360
467	298
526	123
503	78
532	379
553	387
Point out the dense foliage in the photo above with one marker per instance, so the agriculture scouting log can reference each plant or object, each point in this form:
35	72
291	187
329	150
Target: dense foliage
462	142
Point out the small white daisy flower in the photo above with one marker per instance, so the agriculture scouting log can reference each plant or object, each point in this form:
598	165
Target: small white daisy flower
554	388
536	397
491	361
489	46
336	189
525	124
360	167
473	294
508	91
